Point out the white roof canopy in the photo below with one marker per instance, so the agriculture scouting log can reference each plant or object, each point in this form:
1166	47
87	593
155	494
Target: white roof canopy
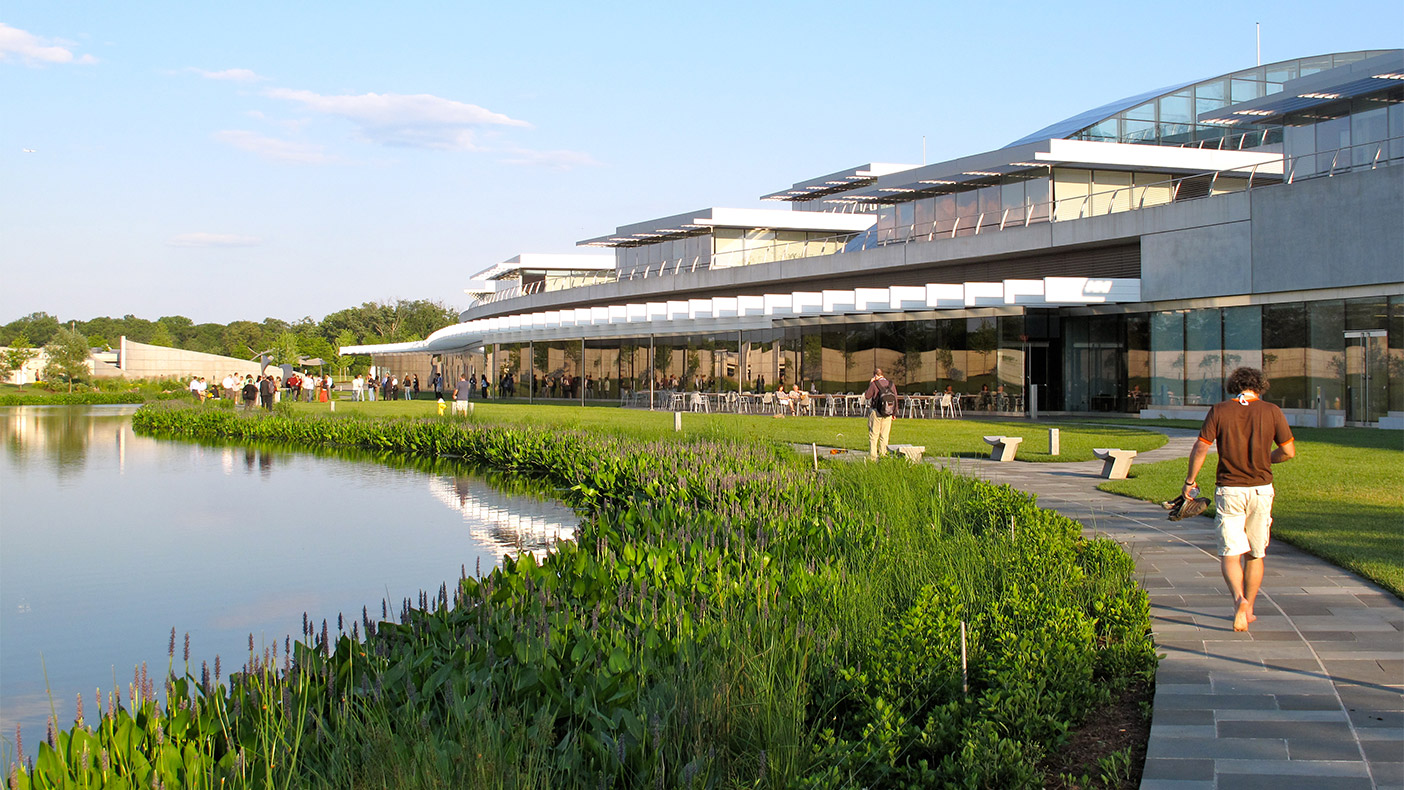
695	223
730	313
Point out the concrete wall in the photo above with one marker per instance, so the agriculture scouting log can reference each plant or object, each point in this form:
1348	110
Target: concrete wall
1211	260
143	361
1330	232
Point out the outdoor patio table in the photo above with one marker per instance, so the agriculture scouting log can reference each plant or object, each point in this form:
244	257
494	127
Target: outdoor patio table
853	405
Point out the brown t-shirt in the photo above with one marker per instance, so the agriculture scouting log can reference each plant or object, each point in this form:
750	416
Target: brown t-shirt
1245	435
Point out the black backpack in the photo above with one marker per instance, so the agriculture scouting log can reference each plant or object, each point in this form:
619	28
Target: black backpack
886	402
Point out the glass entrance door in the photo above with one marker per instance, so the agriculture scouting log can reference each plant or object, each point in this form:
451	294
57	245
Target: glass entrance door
1365	376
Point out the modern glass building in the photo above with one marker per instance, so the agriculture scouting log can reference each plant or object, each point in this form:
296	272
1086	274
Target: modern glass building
1125	259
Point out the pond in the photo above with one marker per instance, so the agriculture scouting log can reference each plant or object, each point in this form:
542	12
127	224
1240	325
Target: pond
108	540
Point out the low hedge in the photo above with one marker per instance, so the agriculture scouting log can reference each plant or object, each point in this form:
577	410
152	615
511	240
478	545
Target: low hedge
725	617
86	398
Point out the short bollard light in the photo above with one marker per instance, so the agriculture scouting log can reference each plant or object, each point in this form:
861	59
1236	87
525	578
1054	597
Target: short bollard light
442	406
333	404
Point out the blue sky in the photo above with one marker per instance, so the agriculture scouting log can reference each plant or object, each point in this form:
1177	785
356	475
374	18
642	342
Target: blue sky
246	160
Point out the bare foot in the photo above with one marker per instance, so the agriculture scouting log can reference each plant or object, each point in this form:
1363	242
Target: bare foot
1241	616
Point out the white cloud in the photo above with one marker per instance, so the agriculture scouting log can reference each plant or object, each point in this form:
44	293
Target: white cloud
556	160
273	148
36	51
213	240
414	121
230	75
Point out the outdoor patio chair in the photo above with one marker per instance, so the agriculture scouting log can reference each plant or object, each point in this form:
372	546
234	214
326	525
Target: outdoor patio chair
947	405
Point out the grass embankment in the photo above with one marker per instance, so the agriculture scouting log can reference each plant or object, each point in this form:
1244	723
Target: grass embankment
726	618
1341	498
942	438
106	392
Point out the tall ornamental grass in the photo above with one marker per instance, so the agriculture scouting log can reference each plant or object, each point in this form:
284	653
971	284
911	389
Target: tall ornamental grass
727	617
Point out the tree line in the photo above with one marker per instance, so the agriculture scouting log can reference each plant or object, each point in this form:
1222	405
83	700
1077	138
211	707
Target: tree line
372	322
282	341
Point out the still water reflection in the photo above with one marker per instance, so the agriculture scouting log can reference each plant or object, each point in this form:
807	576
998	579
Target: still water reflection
109	539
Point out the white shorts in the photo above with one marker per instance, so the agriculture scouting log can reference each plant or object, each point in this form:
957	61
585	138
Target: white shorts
1243	515
460	407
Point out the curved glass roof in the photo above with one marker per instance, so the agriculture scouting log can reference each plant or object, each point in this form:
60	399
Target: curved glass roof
1169	116
1070	126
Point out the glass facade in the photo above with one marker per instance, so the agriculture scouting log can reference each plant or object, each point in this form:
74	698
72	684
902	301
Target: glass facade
1172	119
1344	356
1015	199
1346	134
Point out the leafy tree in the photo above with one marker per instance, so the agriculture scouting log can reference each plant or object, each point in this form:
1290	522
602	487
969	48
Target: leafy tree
68	356
19	354
421	318
345	338
38	327
242	339
317	347
272	327
285	348
356	320
161	336
208	338
180	328
102	330
138	329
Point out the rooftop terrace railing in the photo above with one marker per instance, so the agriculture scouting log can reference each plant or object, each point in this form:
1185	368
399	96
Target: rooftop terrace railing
1362	156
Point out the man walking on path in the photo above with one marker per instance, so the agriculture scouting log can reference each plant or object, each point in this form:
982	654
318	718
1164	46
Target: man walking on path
882	406
1245	428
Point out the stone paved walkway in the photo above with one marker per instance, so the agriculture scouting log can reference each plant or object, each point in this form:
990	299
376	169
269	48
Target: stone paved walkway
1312	696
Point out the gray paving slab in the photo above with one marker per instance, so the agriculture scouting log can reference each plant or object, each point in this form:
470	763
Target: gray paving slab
1312	696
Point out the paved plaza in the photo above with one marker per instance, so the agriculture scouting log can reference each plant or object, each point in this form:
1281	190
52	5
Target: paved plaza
1312	696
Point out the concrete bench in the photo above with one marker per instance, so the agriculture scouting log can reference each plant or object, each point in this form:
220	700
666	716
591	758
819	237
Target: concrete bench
1116	463
1003	448
913	452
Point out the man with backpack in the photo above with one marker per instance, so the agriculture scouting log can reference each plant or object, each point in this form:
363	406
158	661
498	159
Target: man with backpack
882	407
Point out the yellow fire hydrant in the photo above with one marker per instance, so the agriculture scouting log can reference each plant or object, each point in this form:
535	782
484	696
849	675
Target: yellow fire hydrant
442	406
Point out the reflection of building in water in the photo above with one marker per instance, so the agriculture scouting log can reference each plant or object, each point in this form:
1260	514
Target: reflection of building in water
507	524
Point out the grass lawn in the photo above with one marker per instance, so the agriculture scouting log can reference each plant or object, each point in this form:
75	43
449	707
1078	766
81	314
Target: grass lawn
1341	498
942	438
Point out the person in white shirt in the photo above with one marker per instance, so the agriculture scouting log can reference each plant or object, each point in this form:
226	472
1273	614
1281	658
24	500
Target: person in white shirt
228	386
309	388
358	387
195	387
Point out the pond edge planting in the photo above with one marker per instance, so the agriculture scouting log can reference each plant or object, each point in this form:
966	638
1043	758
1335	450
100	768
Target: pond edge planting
726	618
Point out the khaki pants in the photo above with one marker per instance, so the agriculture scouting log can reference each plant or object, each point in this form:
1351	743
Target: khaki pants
878	430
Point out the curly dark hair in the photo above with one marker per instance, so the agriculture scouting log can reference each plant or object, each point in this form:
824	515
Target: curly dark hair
1250	379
